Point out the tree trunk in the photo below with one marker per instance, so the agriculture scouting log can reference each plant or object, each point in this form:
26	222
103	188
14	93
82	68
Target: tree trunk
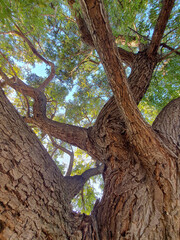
34	200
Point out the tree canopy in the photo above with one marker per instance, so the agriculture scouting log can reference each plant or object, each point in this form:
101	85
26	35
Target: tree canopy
50	34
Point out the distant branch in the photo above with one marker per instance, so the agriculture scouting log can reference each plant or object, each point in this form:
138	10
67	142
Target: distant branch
168	54
126	56
142	36
80	63
169	32
8	63
70	153
170	48
37	54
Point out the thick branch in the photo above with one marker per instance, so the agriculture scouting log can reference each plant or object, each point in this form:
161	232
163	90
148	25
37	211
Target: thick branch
160	27
136	129
75	183
126	56
76	136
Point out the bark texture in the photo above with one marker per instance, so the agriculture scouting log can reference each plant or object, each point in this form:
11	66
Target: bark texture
32	194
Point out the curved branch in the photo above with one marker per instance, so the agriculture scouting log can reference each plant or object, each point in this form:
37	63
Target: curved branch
167	125
74	135
160	27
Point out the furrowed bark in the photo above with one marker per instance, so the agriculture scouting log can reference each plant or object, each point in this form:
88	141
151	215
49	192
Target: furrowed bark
71	134
167	124
140	201
33	203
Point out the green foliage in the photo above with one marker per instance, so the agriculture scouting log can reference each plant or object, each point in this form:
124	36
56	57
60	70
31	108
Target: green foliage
80	88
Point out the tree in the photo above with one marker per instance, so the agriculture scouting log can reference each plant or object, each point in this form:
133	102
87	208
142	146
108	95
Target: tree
139	162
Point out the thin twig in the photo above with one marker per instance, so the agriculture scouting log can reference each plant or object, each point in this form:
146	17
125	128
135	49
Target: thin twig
169	32
142	36
170	48
173	51
79	64
54	151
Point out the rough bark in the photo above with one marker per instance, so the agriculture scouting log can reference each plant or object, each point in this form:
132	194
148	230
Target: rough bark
33	201
167	125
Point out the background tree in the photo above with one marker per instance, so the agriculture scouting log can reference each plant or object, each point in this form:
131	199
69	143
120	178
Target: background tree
137	46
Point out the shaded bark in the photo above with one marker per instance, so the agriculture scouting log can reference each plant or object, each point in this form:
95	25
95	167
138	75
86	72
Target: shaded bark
32	194
167	125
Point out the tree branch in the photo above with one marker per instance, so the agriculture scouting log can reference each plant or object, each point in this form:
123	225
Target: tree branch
160	27
74	184
170	48
70	153
168	54
126	56
70	167
8	63
37	54
137	131
74	135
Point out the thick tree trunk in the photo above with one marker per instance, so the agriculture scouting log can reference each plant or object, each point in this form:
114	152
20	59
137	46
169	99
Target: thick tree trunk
33	202
135	204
